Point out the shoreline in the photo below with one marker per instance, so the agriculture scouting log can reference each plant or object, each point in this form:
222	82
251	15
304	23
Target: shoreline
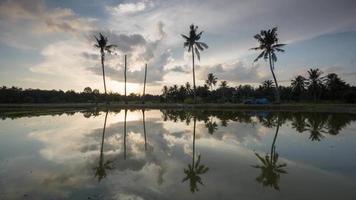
326	108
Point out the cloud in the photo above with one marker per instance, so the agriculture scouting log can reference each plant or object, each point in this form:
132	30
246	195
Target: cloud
155	70
237	71
179	69
38	22
130	8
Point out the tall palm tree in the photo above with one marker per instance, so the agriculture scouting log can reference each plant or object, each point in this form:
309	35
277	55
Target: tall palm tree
211	81
315	82
125	77
193	44
102	44
298	85
144	86
268	44
194	170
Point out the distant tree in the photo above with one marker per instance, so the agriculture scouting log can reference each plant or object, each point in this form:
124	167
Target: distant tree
165	92
193	44
315	82
211	80
96	91
102	44
268	44
188	88
268	84
335	85
87	90
298	86
223	84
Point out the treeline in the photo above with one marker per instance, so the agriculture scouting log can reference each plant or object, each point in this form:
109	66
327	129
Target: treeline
314	88
19	95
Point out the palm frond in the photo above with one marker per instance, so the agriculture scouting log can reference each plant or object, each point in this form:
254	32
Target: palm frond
259	56
197	52
204	45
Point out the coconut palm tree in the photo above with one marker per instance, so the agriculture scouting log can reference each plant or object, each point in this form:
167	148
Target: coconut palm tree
315	82
267	84
211	81
194	170
268	44
193	44
298	85
102	44
125	77
165	92
144	86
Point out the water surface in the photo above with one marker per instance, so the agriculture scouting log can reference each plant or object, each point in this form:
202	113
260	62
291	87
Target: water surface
175	154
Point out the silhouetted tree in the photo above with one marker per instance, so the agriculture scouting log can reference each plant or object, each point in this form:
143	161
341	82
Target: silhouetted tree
211	80
193	44
298	86
268	44
315	82
144	86
102	44
335	86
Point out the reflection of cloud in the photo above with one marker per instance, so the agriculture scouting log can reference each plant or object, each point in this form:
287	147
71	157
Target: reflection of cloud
69	149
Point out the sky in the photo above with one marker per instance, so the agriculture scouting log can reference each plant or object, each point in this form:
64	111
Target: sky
50	44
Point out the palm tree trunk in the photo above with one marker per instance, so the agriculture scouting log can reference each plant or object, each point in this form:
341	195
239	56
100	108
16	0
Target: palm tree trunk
274	77
195	97
125	77
103	68
144	86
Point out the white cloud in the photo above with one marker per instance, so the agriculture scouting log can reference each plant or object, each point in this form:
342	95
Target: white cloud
130	8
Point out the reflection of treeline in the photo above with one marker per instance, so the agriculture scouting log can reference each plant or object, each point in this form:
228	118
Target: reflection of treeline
315	123
19	95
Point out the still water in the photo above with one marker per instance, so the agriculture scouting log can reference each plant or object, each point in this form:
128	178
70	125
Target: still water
176	154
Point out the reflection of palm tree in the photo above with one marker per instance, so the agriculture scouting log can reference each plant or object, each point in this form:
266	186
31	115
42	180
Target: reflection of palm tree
125	134
212	126
144	127
270	169
100	170
316	128
195	169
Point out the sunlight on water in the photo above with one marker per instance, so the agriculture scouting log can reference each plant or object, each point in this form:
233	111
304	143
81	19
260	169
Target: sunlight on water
175	154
